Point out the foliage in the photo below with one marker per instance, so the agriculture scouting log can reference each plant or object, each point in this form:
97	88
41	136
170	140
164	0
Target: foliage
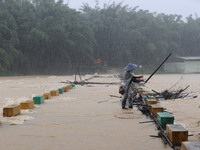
48	37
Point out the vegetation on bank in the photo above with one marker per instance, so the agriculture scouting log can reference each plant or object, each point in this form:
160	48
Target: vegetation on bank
48	37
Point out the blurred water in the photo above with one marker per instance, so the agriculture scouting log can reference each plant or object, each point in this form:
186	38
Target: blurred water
18	89
89	115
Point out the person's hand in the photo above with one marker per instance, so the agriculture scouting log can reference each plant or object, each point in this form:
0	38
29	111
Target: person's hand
141	80
141	76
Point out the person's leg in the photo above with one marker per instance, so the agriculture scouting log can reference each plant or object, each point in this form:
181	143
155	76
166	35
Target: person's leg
130	103
130	100
132	94
124	97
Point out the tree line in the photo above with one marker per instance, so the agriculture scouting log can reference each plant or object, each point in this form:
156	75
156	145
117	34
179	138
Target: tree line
48	37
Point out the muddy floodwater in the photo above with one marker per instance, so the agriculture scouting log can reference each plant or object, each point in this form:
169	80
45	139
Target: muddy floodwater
87	117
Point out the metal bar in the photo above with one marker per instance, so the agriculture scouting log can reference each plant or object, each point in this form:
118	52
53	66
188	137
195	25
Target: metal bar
146	122
157	136
75	77
158	68
79	75
162	133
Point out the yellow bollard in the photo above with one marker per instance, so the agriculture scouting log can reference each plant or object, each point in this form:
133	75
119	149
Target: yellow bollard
47	95
54	93
69	87
11	110
155	109
151	101
64	89
176	134
27	105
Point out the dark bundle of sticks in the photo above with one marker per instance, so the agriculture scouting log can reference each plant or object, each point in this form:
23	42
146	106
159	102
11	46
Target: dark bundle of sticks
166	94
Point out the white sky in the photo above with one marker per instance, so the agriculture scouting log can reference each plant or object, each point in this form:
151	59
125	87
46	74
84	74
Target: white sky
180	7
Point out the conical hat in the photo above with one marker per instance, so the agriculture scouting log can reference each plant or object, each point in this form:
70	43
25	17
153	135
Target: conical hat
130	67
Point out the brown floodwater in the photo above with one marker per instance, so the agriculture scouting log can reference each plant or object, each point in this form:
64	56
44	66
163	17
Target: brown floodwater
87	117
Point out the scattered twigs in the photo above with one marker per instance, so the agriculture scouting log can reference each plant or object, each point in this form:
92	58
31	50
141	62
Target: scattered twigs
166	94
156	92
176	82
181	90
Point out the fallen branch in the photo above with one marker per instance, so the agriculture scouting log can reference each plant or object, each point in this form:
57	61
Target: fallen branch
166	94
82	83
115	96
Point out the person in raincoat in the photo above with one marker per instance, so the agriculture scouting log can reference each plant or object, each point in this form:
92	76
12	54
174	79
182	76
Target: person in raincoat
125	89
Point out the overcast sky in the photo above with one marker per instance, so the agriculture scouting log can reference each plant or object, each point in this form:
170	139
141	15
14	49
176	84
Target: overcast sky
182	7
